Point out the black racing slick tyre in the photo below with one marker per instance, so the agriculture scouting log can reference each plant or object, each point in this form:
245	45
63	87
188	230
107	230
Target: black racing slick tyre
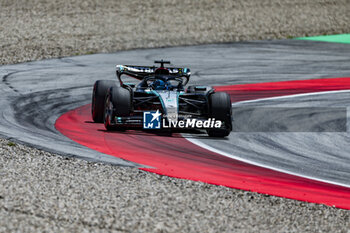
98	99
220	109
118	103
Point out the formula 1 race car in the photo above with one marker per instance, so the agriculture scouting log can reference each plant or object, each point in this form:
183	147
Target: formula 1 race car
160	101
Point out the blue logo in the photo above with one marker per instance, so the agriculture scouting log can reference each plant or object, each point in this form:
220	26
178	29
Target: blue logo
151	120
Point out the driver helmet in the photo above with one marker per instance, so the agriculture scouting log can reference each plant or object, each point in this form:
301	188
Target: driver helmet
158	85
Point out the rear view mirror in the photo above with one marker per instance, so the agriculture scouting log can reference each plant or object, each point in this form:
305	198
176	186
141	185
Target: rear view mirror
132	85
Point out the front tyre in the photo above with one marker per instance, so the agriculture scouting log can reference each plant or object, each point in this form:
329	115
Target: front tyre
118	103
98	99
220	108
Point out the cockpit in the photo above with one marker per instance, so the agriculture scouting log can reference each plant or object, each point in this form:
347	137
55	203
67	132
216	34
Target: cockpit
161	83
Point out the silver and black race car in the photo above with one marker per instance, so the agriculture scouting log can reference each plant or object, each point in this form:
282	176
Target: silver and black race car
160	101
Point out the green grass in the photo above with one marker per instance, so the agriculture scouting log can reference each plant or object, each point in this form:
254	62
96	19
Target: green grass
11	144
340	38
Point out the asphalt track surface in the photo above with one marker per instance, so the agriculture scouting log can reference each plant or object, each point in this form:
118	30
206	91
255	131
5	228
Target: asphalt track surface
37	93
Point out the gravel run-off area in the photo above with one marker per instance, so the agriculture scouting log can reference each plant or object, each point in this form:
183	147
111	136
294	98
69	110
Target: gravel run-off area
40	191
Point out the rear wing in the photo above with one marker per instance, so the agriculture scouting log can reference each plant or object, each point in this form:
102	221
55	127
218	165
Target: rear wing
140	72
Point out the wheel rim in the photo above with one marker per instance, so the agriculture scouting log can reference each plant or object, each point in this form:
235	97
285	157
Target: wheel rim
108	112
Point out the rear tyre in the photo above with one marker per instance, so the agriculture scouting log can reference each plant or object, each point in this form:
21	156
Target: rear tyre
220	109
118	103
98	99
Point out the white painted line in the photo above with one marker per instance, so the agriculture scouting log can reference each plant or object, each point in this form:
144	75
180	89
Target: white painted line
290	96
212	149
207	147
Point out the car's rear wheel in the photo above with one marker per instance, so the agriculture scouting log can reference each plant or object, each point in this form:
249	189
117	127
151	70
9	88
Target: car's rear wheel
98	99
118	103
220	109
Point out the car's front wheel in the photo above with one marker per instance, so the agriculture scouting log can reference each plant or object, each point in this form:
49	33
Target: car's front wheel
98	99
118	103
